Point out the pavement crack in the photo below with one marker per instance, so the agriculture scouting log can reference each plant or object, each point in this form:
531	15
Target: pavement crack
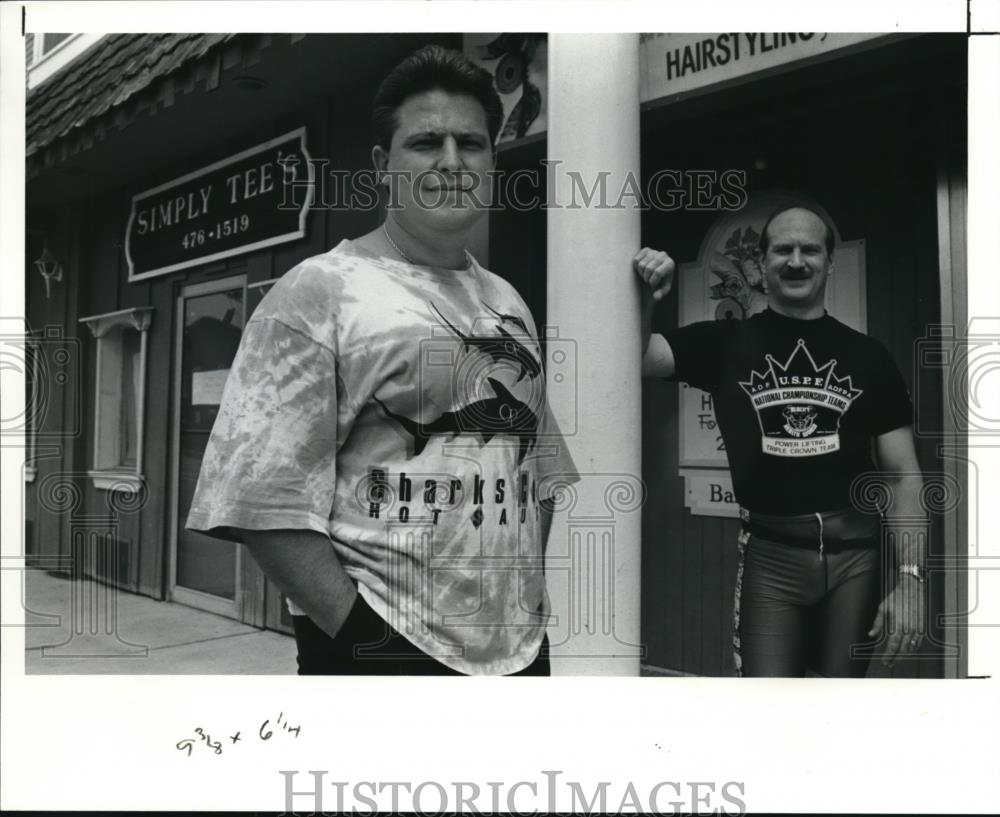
206	640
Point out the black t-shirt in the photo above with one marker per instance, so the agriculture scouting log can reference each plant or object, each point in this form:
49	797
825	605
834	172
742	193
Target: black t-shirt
798	403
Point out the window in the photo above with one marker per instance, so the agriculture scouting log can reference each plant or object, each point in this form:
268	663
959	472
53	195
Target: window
39	46
50	41
46	54
131	387
119	399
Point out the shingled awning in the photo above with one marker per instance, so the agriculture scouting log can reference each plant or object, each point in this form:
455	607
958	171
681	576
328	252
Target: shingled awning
124	75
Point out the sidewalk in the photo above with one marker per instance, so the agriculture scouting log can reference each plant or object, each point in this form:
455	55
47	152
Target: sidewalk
100	630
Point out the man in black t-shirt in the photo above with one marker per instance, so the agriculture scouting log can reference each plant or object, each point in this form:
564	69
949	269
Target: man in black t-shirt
800	399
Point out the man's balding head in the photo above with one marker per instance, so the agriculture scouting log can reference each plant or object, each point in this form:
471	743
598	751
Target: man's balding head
765	234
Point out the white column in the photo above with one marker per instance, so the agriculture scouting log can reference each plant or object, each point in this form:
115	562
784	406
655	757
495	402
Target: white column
594	380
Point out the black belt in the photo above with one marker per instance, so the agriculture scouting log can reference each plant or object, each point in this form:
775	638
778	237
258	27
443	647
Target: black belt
827	530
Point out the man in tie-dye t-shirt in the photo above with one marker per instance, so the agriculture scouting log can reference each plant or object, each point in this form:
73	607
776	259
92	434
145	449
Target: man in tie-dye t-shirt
384	446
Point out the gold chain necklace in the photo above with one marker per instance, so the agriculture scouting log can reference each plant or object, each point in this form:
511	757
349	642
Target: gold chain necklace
405	257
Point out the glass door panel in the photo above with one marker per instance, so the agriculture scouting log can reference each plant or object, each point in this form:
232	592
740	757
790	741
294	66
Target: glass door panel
210	323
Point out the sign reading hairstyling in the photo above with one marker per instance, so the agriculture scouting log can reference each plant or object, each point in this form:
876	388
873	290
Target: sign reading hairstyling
255	199
673	64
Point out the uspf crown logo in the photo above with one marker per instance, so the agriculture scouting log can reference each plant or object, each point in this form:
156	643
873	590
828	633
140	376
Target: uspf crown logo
799	404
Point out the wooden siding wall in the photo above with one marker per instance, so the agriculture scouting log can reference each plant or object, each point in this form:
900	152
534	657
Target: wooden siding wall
60	429
107	289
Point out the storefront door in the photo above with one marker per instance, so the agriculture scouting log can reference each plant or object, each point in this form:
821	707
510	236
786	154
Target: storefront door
205	572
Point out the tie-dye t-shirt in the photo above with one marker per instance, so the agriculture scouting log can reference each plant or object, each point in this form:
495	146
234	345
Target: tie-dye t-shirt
400	410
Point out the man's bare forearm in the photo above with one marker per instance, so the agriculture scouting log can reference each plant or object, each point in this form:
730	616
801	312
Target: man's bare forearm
305	567
905	515
907	519
646	317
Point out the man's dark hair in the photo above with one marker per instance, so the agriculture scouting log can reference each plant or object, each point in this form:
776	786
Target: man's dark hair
433	68
763	243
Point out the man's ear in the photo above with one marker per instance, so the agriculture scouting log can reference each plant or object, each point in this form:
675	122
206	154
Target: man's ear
380	159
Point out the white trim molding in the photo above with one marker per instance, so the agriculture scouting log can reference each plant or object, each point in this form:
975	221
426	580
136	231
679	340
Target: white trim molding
111	472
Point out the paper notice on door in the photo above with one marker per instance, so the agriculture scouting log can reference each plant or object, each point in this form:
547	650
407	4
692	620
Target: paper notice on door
206	387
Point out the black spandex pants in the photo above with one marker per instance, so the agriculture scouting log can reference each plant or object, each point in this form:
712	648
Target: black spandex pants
801	610
367	645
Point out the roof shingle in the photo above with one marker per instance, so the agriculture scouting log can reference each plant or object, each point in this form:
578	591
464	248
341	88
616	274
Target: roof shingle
102	79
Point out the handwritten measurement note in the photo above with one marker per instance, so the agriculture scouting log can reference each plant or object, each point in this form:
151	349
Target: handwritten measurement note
268	729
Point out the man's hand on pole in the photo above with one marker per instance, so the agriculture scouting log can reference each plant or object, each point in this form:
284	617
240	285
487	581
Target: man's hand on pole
656	268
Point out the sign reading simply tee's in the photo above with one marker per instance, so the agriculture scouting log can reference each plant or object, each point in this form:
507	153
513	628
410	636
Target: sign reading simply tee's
255	199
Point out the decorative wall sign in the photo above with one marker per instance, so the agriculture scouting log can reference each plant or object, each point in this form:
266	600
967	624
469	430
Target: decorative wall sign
519	65
709	492
257	198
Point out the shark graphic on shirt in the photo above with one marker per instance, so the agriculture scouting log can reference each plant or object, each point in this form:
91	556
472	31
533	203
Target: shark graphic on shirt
502	347
505	318
501	414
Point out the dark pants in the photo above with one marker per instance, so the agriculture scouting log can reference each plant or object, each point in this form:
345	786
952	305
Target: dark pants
800	609
367	645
